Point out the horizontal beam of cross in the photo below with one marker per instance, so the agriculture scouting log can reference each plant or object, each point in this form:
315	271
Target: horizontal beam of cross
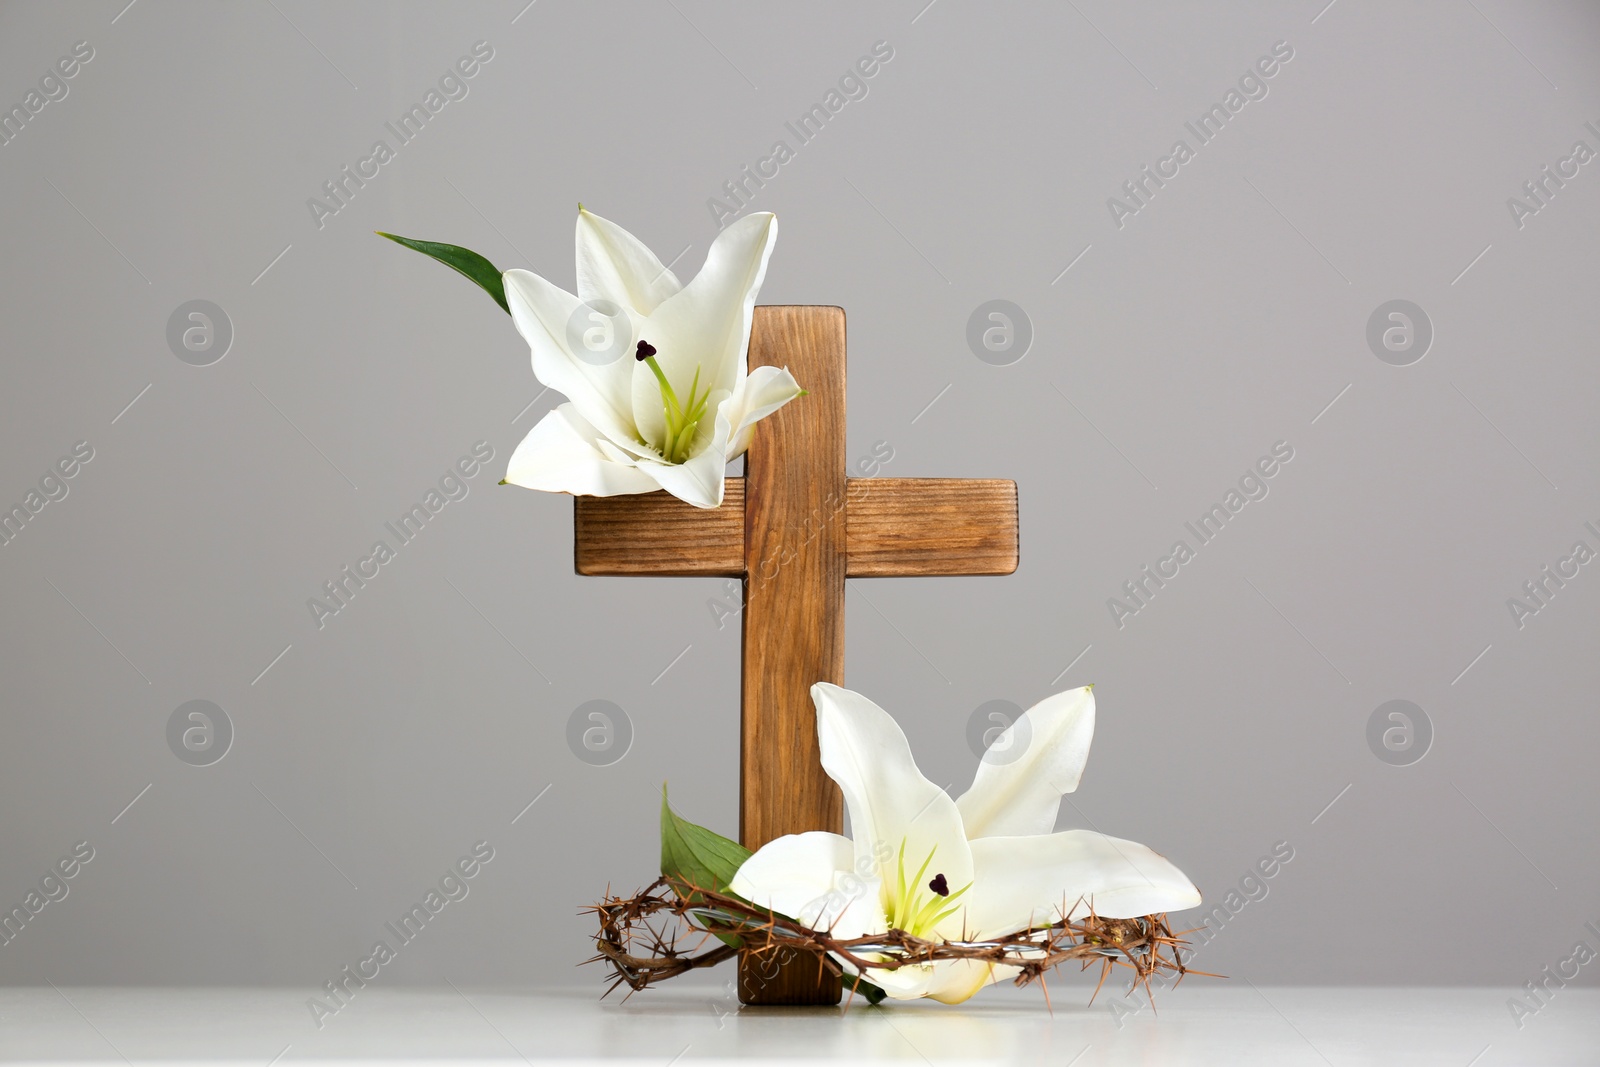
895	527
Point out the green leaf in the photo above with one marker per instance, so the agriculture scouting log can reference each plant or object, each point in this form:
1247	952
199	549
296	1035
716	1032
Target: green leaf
464	260
695	856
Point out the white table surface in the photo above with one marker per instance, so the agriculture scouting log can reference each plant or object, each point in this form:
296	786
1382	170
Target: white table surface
1232	1024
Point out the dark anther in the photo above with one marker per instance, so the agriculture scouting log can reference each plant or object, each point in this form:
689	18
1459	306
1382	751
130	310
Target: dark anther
645	351
939	885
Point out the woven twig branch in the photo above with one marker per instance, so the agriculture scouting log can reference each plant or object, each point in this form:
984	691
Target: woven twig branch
640	952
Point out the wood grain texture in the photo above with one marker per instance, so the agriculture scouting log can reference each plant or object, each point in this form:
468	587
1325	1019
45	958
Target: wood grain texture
895	528
659	535
903	527
794	612
794	528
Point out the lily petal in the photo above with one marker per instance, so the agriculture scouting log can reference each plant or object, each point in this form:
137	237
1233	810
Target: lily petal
763	391
707	324
962	978
615	265
893	808
1017	789
947	981
794	874
603	393
855	908
910	982
1024	882
564	453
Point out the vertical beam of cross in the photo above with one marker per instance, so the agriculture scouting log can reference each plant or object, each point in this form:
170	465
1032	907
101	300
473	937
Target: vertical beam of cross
794	528
795	560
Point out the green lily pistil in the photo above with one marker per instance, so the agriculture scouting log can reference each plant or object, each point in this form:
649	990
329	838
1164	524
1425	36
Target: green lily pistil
916	909
682	419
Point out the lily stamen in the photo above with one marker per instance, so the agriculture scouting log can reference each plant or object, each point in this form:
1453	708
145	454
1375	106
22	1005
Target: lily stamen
682	421
904	905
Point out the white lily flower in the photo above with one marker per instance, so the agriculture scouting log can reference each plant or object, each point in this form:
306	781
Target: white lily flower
983	866
655	373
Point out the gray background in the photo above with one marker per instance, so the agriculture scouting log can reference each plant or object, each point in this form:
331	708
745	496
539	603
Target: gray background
1225	316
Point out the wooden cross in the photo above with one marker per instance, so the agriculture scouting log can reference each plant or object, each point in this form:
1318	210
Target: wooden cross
794	528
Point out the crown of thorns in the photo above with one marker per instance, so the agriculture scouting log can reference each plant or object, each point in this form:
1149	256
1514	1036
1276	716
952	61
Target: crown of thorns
670	928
